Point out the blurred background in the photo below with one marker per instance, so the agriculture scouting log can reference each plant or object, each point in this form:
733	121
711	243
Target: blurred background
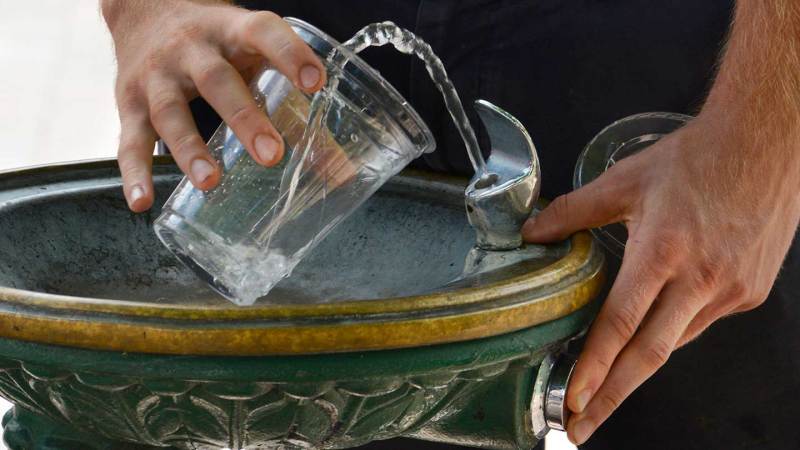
57	92
57	87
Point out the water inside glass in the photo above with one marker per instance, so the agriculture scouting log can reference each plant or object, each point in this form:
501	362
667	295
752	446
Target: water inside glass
250	231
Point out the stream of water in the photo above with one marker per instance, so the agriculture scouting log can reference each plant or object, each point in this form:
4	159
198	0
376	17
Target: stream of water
291	200
404	41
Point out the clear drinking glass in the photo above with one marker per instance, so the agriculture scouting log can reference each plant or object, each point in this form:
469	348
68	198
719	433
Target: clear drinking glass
249	232
621	139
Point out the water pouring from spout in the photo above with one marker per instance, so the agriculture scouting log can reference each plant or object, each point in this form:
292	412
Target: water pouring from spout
247	234
503	191
404	41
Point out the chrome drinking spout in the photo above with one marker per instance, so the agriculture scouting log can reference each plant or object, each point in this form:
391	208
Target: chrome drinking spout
501	199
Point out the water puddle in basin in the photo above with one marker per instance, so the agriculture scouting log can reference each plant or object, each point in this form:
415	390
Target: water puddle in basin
483	267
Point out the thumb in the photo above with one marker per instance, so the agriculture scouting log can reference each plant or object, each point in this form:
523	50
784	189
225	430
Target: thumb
598	203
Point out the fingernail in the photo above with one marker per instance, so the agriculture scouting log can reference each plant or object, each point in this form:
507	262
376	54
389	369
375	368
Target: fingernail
583	429
136	193
582	400
309	76
266	148
201	170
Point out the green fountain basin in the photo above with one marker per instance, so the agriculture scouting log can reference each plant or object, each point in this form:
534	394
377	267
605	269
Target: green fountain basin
105	338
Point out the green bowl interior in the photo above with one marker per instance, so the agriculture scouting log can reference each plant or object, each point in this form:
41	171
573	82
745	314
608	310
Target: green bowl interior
68	231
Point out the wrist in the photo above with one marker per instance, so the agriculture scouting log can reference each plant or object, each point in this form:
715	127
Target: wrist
122	15
757	88
128	13
754	114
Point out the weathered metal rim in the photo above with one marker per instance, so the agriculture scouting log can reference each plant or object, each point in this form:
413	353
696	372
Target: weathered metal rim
470	313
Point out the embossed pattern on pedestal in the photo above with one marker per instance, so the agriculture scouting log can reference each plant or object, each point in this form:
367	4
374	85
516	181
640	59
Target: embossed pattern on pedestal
213	415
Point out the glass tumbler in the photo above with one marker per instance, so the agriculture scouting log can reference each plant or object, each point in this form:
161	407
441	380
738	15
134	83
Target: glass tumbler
342	144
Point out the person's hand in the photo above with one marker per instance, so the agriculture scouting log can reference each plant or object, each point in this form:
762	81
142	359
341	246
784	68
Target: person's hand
711	211
170	51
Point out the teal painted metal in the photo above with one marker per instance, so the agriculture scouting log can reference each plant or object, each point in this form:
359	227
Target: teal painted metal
473	392
470	393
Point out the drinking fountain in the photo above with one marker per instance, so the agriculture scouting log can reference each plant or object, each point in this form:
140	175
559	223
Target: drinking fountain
411	318
107	340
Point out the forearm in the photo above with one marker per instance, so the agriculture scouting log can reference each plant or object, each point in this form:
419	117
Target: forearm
710	211
759	76
756	96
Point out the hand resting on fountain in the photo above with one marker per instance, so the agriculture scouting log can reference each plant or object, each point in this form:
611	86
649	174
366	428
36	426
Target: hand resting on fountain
711	211
171	51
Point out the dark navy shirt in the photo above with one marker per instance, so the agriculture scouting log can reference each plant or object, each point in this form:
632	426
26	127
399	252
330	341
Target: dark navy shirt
565	69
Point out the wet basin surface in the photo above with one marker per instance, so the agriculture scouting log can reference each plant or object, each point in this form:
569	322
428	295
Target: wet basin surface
77	268
77	238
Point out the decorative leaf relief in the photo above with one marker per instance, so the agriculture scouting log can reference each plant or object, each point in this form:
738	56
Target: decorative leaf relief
273	423
215	418
161	415
378	420
185	416
315	421
91	409
14	387
261	414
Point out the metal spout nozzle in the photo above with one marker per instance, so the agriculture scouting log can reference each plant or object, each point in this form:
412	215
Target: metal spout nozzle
501	199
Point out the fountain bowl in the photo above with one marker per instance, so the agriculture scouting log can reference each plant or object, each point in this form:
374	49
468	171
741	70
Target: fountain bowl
108	342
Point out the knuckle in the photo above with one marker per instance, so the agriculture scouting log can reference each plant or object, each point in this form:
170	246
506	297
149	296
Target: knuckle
242	115
127	86
182	36
129	99
748	306
560	208
655	354
708	274
610	399
286	48
624	322
187	143
667	248
124	159
648	271
257	21
737	290
623	183
754	303
760	295
760	298
603	363
155	60
688	337
212	74
172	46
163	104
131	167
126	147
